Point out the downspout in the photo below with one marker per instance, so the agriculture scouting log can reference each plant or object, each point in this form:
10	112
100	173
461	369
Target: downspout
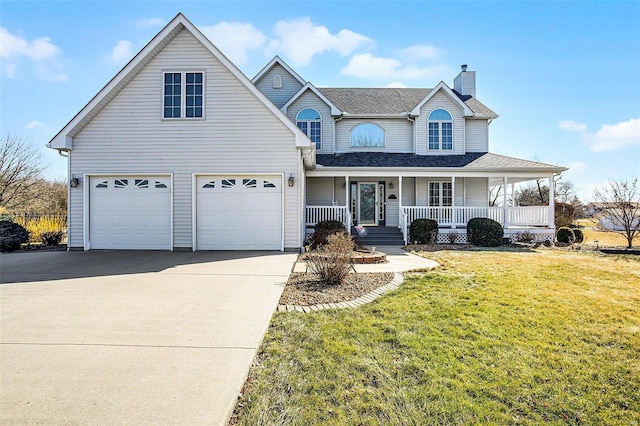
335	120
415	133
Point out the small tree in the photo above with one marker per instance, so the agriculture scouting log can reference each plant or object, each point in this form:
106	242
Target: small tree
20	172
622	199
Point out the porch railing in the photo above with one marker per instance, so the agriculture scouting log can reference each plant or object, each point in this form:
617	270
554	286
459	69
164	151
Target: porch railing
459	216
315	214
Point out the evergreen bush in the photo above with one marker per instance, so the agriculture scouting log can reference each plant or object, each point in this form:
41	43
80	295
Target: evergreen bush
423	231
484	232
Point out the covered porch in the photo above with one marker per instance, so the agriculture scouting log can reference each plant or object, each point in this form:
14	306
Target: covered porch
396	199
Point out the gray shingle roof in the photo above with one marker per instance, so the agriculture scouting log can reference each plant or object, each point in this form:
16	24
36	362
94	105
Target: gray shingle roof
379	100
469	161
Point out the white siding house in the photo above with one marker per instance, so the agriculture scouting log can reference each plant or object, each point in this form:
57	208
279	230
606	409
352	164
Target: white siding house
181	151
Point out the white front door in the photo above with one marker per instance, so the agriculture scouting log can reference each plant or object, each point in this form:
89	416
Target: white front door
238	212
368	203
130	212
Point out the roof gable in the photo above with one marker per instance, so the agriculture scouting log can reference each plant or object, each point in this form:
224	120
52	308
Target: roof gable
308	86
277	61
64	139
447	91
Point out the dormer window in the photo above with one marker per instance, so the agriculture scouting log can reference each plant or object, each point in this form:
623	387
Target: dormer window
440	127
183	95
367	135
310	122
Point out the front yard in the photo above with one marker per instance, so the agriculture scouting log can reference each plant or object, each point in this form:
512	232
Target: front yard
490	337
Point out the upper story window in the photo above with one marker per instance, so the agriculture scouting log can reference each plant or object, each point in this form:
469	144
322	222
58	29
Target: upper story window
367	134
440	130
310	122
183	95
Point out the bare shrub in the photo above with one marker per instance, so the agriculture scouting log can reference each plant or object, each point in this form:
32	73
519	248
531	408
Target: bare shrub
332	262
452	237
525	237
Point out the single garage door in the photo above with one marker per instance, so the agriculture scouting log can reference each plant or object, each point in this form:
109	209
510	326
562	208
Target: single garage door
239	213
130	212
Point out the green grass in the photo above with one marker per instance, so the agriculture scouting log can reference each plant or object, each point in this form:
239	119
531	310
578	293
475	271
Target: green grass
491	337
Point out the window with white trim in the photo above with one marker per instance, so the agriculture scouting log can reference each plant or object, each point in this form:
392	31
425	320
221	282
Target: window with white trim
183	95
440	194
310	122
440	130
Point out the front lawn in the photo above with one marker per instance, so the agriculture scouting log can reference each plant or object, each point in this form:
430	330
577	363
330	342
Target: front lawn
496	337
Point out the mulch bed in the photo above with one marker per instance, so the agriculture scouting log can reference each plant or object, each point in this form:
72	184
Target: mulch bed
306	289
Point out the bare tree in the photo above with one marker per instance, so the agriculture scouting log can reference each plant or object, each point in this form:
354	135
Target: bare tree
495	193
622	212
20	172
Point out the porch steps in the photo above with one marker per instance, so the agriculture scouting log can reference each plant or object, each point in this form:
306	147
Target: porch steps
379	236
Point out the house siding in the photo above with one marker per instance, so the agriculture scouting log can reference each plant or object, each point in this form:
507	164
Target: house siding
465	193
310	100
477	134
129	136
476	191
290	85
440	100
320	191
398	135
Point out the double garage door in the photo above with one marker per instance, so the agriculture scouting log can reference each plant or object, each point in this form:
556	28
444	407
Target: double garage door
233	212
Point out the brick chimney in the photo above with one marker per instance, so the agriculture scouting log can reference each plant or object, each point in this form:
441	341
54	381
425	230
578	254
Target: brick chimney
465	82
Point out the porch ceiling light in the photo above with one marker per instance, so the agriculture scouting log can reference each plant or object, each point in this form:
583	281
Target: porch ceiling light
291	181
74	182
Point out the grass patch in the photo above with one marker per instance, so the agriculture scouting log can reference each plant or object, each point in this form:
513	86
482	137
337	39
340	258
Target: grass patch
604	238
490	337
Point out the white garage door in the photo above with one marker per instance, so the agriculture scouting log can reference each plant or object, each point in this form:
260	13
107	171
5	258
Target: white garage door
130	212
239	213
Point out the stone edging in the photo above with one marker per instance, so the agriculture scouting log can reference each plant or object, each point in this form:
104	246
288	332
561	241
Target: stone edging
362	300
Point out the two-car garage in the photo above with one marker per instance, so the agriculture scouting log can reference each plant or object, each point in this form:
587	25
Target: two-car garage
230	212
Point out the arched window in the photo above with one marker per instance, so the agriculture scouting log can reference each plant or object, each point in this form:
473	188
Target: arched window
310	122
440	130
367	134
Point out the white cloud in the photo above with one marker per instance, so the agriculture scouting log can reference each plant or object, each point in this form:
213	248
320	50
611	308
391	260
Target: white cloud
121	52
367	66
398	84
572	126
34	123
235	39
44	54
420	52
614	136
577	166
149	22
300	40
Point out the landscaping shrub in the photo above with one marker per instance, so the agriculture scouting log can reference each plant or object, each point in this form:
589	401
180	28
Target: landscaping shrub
484	232
565	235
525	237
12	235
52	238
423	231
452	237
332	261
38	225
578	234
323	230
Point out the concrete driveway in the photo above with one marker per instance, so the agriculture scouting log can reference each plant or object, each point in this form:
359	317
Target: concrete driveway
131	337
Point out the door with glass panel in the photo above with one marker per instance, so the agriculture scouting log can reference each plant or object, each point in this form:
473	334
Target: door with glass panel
368	202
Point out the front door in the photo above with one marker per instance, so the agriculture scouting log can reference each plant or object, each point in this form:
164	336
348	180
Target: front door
368	203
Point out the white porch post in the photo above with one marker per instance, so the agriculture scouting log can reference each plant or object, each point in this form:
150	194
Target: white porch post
400	191
453	202
552	204
505	208
346	198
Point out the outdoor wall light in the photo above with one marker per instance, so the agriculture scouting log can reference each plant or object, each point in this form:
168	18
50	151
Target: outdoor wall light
291	180
390	185
74	182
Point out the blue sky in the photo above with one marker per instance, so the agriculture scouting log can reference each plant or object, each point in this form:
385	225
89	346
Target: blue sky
563	76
